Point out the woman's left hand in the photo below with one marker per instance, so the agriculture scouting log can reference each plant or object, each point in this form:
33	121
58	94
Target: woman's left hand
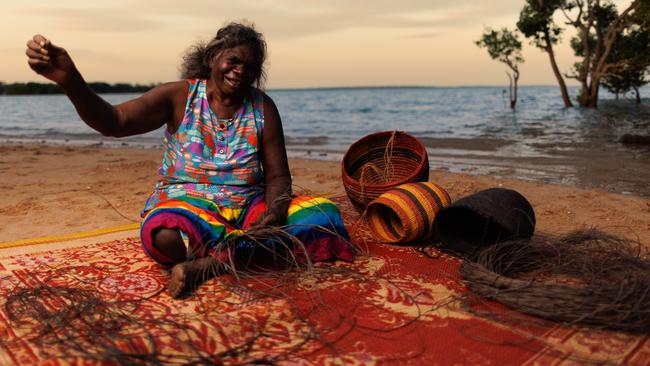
271	217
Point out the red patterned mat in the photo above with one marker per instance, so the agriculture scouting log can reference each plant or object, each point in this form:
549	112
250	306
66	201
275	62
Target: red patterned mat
106	304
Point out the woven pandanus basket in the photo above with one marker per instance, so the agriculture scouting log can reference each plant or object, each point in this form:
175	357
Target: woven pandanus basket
380	162
406	213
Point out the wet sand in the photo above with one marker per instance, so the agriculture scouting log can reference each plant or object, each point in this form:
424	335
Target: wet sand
612	166
55	190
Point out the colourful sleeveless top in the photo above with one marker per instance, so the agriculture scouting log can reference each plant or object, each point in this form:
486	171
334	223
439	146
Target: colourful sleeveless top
212	158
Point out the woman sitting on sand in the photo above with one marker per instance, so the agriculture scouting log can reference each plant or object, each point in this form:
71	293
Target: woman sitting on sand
224	170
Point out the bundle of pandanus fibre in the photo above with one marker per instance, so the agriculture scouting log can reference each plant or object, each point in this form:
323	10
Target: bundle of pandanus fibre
586	277
271	251
263	249
76	323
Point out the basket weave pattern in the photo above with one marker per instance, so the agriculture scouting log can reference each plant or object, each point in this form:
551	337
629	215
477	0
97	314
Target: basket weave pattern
380	162
407	212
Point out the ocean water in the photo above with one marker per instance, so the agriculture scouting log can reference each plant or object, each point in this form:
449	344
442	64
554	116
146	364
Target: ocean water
465	129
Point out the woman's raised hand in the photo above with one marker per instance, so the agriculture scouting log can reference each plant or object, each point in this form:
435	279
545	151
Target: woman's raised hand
51	61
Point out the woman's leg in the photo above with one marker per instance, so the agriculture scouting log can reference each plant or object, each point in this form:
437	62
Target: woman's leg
186	275
170	243
315	221
161	238
162	241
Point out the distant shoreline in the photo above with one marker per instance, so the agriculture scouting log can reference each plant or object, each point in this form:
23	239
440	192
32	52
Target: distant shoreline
36	88
33	88
335	88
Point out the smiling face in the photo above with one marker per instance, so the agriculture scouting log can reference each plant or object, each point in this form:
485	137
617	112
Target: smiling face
235	69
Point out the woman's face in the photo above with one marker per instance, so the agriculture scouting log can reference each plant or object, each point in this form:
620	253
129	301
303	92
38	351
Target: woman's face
235	69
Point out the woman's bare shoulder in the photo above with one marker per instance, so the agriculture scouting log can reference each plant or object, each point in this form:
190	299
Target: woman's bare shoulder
268	102
175	90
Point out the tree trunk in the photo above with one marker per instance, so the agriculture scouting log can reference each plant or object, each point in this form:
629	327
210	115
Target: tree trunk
510	95
586	92
638	95
558	74
586	69
514	78
513	102
589	94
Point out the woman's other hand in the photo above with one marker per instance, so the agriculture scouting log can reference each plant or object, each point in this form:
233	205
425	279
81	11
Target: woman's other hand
272	218
51	61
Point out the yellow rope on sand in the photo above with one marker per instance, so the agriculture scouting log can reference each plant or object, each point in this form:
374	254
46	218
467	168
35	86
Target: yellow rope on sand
87	234
64	237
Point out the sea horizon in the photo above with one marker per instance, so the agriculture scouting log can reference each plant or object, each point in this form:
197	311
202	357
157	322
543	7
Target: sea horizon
645	88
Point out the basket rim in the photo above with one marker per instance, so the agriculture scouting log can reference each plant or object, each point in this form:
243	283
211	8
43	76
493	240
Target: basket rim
422	152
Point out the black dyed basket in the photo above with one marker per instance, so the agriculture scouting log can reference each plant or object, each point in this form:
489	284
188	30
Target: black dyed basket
485	218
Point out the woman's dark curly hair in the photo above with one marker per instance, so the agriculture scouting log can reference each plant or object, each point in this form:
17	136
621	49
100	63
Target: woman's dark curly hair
196	62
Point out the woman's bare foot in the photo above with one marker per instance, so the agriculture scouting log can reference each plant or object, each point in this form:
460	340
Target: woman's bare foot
188	276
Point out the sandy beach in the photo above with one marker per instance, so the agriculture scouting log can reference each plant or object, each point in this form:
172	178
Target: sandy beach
55	190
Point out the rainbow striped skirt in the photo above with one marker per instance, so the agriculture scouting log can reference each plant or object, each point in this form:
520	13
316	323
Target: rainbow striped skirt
314	221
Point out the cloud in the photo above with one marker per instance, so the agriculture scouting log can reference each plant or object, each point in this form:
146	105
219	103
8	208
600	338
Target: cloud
142	39
97	56
423	35
276	18
286	18
96	19
12	50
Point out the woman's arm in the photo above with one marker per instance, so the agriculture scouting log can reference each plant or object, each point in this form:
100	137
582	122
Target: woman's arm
277	178
146	113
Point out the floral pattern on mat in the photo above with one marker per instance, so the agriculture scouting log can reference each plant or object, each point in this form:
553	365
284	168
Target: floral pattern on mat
393	306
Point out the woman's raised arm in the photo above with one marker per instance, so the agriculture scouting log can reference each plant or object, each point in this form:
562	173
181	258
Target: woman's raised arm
143	114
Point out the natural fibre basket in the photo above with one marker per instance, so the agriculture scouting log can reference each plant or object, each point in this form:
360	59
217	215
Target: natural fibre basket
380	162
406	213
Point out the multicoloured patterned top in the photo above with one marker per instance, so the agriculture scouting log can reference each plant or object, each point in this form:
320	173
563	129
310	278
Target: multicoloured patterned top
212	158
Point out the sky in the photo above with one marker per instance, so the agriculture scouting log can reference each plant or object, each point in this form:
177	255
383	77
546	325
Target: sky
333	43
